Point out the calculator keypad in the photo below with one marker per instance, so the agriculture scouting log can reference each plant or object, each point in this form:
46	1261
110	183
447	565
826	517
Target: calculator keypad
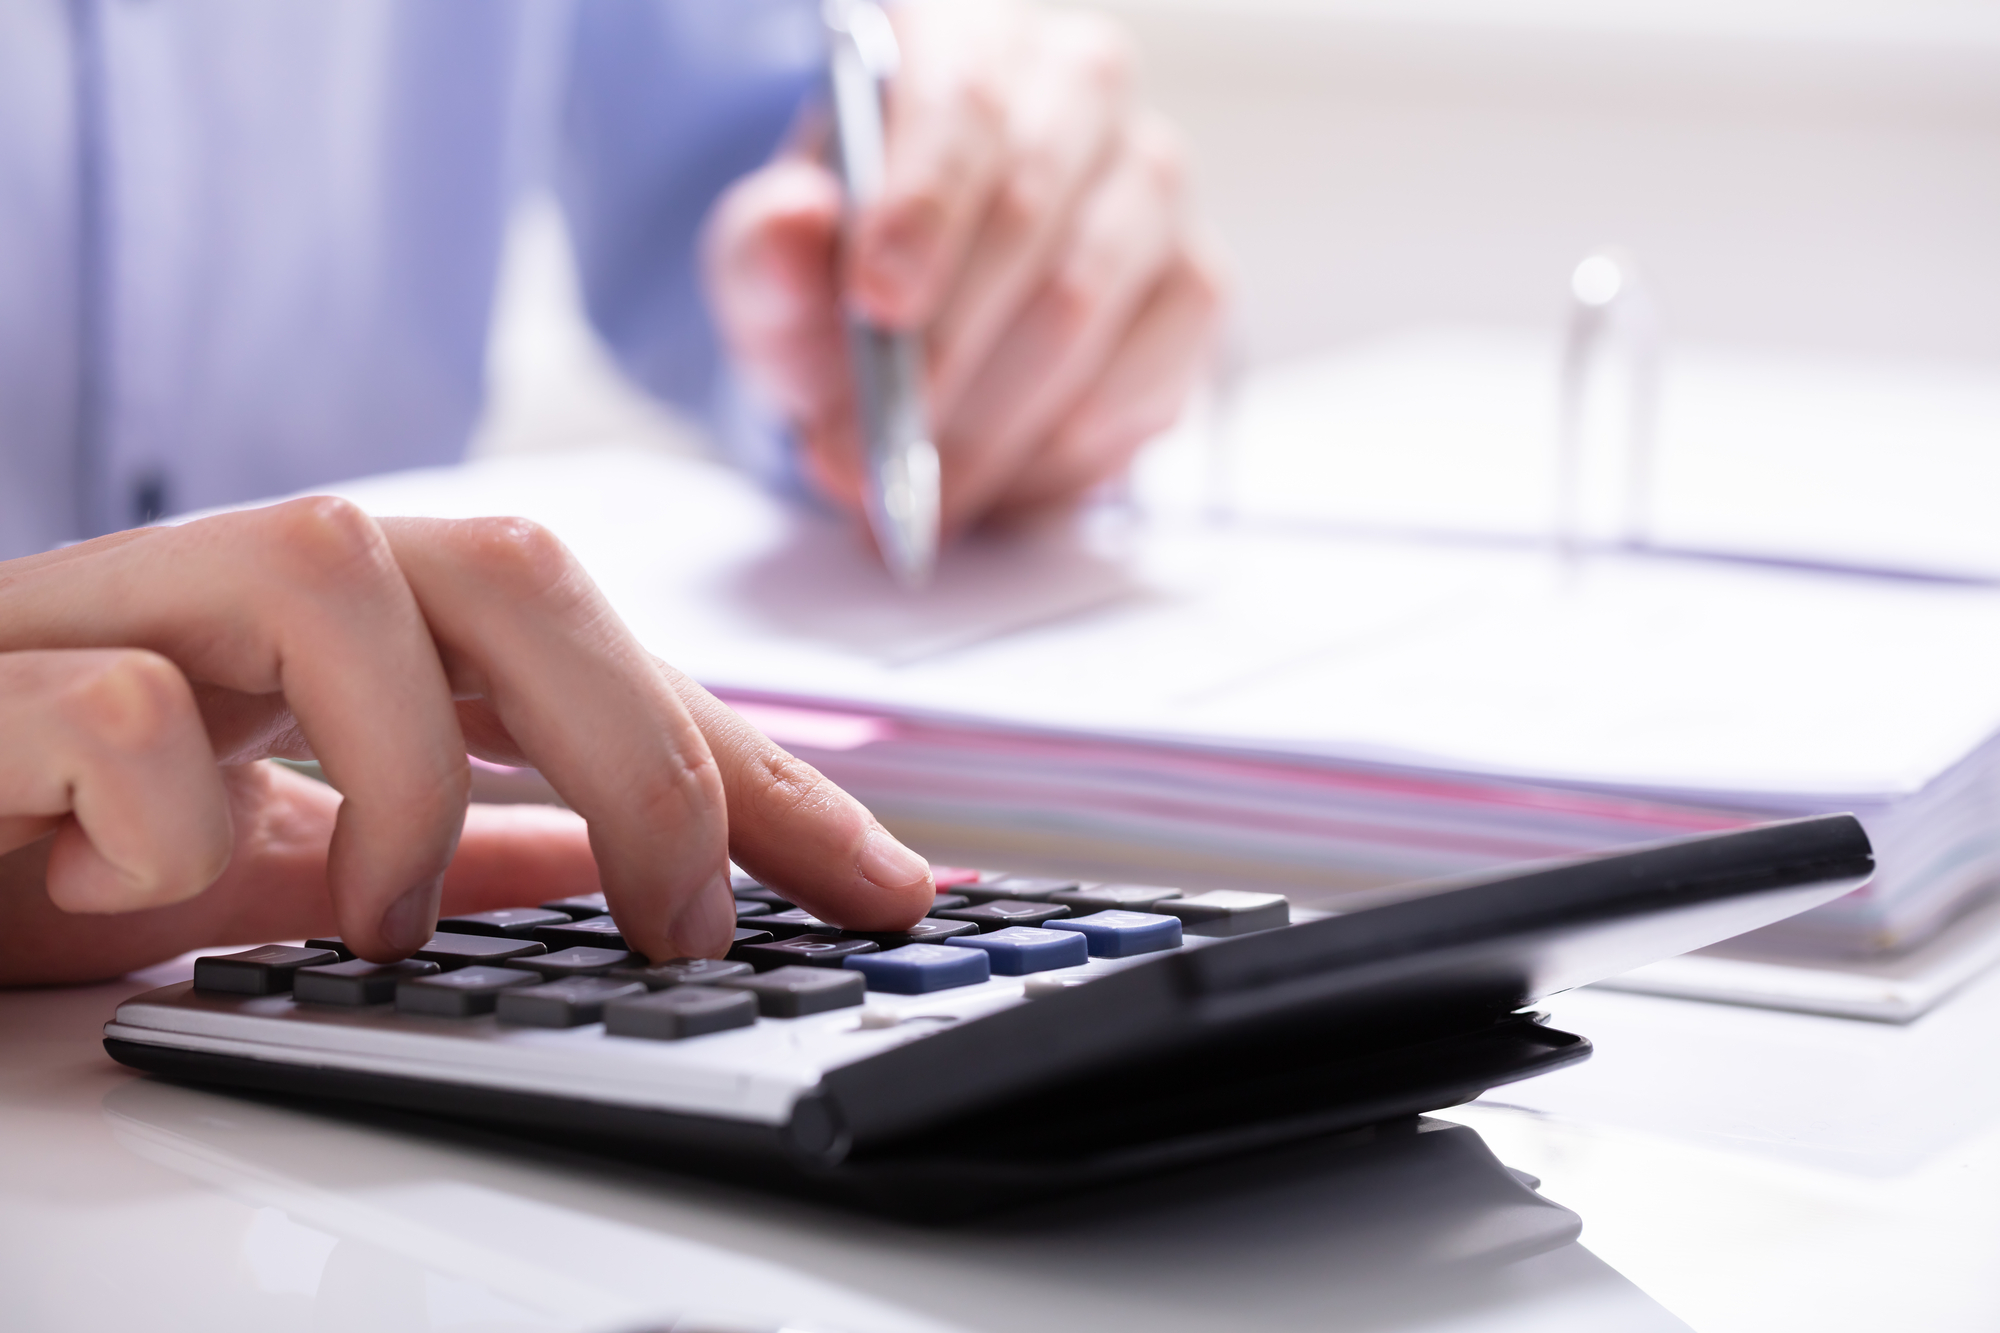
565	965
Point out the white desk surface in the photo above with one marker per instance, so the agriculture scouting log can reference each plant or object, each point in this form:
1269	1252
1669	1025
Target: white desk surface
1734	1169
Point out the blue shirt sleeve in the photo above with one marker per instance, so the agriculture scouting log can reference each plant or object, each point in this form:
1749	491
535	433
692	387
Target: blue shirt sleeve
667	102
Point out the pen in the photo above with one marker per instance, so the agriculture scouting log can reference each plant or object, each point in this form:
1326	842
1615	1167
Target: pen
902	463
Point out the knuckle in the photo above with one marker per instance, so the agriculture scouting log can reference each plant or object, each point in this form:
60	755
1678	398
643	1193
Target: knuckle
326	535
128	701
1024	200
518	557
779	786
1069	301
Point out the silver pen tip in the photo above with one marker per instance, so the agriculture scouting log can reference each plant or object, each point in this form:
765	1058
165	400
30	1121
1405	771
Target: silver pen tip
906	526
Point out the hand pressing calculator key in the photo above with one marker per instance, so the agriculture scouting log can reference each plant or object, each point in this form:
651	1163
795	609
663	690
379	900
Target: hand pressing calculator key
1034	1036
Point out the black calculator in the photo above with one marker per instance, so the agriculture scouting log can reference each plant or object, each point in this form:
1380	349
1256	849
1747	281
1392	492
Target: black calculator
1032	1035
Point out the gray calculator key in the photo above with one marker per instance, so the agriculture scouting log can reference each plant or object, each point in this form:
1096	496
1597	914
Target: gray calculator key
1004	912
1115	897
944	902
265	970
577	961
460	994
749	907
451	951
813	950
580	906
793	921
1228	912
794	992
757	893
682	972
356	982
333	942
562	1004
931	930
684	1011
1019	888
596	932
513	922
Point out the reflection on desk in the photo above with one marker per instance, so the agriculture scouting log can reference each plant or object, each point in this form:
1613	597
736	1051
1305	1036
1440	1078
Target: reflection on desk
249	1214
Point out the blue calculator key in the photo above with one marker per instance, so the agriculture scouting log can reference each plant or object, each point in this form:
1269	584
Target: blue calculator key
1019	950
460	994
451	951
812	950
1004	912
918	969
356	982
267	969
580	906
579	960
1116	934
515	922
1019	888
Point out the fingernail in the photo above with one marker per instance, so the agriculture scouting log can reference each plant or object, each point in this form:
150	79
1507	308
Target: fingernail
412	918
888	864
706	927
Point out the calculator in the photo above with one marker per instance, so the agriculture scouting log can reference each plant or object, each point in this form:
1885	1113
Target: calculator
1033	1035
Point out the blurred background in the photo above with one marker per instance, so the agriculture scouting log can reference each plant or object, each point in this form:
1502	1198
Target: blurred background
1819	178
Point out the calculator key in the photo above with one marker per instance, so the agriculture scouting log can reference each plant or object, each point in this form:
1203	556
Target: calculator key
931	930
749	907
684	1011
749	935
562	1004
1116	934
950	877
579	907
1004	912
594	932
1125	897
793	921
356	982
451	951
757	893
944	902
739	880
265	970
513	922
1229	912
579	960
918	969
682	972
333	942
804	950
1019	888
793	992
1019	950
460	994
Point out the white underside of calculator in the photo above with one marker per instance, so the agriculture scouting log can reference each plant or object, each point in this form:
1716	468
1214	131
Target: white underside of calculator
754	1074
